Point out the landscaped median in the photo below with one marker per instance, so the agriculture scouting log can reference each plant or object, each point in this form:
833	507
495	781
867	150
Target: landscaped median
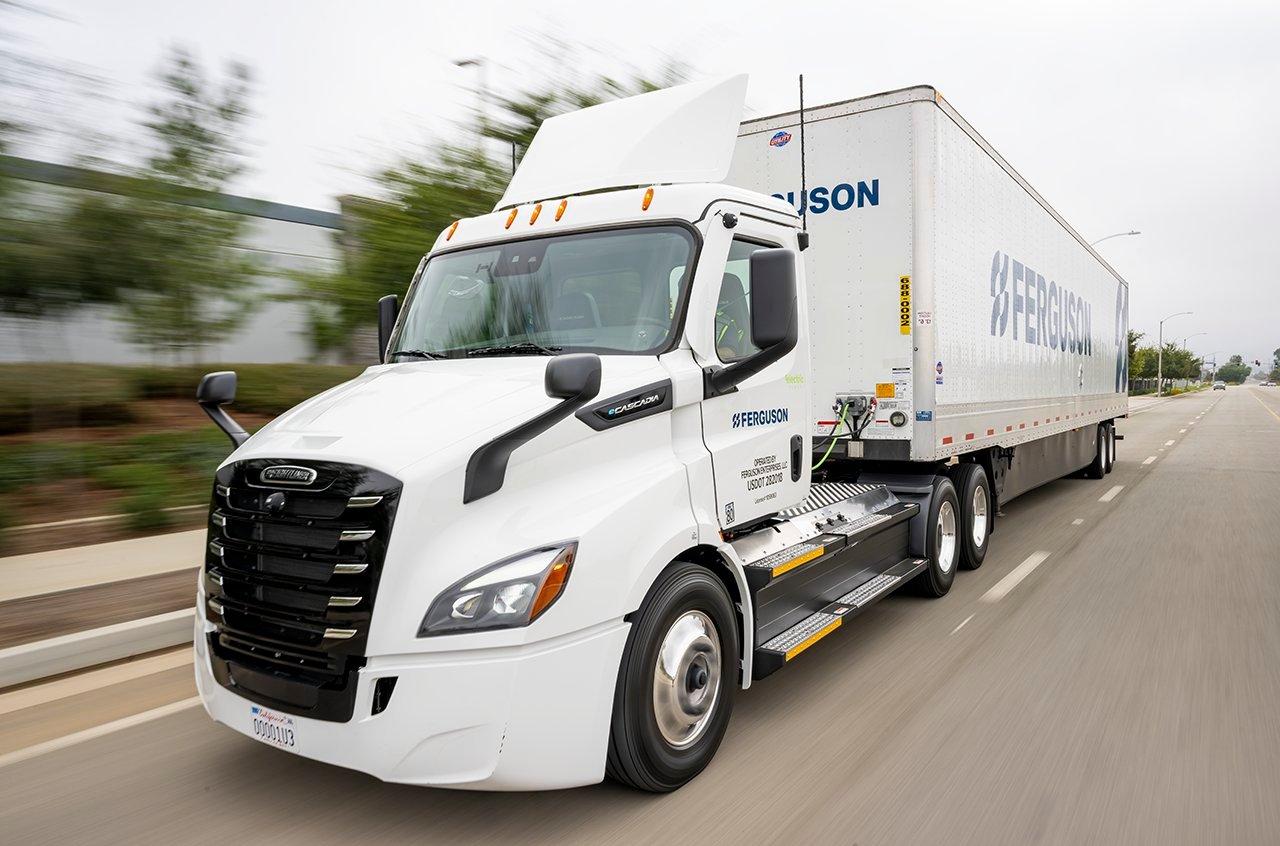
80	442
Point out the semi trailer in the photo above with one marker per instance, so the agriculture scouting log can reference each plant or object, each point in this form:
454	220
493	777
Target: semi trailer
692	397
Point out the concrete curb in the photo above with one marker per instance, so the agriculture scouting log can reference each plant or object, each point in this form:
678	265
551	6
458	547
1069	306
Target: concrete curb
42	658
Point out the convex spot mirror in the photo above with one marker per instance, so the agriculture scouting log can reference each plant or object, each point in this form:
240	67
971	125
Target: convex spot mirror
574	376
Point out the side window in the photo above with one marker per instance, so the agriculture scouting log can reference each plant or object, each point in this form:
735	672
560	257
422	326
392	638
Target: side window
733	309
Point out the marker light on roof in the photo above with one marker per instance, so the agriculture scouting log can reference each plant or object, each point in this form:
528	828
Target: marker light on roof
564	204
452	229
648	198
511	218
537	210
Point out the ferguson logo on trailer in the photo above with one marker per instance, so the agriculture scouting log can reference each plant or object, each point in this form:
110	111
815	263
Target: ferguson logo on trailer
780	138
1040	313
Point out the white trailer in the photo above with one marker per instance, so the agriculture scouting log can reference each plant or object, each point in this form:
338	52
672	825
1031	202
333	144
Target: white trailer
941	282
639	438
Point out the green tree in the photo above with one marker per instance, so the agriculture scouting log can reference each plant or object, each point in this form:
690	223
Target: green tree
1235	370
1274	376
181	279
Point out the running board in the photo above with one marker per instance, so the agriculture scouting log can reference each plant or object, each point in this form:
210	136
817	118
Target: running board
838	536
778	650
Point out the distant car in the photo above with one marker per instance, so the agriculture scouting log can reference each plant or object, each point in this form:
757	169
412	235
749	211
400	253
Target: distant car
1219	386
1268	384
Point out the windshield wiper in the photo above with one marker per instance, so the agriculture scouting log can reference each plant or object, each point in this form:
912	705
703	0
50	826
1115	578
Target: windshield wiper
521	348
427	354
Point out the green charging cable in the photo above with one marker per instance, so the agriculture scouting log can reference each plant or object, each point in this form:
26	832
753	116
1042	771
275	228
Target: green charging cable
834	437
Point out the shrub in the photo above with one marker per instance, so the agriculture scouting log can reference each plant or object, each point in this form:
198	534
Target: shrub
44	396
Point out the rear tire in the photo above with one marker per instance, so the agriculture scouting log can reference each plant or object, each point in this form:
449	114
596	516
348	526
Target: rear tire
941	541
676	682
1098	467
1111	445
977	508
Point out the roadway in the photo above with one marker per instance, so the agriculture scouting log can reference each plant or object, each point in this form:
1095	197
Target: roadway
1111	675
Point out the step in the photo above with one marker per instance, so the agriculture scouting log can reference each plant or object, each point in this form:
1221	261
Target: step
778	650
838	534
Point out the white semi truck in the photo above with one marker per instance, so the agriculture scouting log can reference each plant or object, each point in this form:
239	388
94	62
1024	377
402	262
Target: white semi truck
687	401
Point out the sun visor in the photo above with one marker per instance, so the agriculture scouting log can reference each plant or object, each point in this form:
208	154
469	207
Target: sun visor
681	134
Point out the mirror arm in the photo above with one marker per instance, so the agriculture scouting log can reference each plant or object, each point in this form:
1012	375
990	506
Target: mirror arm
717	380
223	421
487	467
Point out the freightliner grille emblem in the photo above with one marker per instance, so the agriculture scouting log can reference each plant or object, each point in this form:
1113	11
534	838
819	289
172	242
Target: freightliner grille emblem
287	474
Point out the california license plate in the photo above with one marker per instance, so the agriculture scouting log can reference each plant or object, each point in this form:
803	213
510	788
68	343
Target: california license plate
273	728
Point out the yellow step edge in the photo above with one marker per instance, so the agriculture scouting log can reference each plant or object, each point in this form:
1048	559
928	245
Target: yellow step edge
814	638
797	561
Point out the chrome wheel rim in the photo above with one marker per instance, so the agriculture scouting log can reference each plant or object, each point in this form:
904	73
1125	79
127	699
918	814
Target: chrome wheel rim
946	536
686	679
979	515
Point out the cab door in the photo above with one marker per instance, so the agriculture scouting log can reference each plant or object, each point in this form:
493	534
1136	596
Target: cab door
757	434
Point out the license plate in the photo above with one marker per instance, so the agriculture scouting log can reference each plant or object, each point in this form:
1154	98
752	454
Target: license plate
273	728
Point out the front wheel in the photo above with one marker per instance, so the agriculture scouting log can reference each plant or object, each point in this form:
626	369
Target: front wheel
676	683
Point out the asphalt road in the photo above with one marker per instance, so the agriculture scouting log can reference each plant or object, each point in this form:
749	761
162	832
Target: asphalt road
1126	689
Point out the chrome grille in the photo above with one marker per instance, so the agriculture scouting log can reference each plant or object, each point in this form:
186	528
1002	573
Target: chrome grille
290	578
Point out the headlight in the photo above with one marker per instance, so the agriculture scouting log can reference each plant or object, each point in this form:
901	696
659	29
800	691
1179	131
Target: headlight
506	595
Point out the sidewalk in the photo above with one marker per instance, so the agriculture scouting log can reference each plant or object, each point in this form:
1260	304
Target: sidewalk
40	573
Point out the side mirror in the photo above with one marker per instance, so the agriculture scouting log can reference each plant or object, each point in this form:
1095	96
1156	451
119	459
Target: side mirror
215	391
388	311
575	376
574	380
773	297
775	322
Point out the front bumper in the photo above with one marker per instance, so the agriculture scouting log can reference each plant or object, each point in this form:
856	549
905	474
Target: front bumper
532	717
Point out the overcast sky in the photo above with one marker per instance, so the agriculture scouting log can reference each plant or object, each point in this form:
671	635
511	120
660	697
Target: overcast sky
1160	117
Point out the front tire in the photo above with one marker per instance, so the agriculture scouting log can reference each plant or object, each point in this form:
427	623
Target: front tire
977	512
941	540
676	683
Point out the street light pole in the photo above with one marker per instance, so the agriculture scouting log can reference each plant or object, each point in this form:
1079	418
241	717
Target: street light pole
1160	353
1189	337
1116	235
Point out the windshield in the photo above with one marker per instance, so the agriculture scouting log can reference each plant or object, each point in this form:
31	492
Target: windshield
608	292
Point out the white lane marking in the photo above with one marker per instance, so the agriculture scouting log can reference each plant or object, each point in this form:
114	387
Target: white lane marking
962	622
1150	458
58	743
1169	443
1192	423
1182	431
1111	494
41	694
1009	582
1078	521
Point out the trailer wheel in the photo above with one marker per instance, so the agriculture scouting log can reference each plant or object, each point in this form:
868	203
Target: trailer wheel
1098	467
1111	445
977	508
676	682
942	536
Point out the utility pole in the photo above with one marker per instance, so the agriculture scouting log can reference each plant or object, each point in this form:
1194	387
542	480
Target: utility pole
1160	353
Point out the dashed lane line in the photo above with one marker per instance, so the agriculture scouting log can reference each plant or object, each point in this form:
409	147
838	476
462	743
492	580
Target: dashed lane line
1150	458
1168	443
1002	588
962	622
1111	494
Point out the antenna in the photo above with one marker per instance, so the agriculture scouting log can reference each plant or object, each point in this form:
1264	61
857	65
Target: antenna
804	187
513	158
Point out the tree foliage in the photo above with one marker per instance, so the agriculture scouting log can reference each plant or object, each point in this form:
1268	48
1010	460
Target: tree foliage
175	267
1235	370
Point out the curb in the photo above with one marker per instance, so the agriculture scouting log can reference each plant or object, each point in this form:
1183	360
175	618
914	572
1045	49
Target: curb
42	658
